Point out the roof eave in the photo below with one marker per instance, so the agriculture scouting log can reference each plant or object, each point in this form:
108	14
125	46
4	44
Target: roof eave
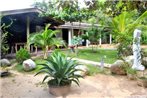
20	11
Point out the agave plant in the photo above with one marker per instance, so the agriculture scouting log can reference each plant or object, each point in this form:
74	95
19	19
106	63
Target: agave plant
60	69
46	39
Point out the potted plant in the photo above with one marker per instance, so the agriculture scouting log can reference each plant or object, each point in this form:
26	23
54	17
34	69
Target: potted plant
142	81
131	73
61	70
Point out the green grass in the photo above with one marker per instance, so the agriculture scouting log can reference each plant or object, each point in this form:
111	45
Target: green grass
88	54
93	70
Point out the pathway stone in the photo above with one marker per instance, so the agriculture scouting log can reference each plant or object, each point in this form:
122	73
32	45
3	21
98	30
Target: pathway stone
92	62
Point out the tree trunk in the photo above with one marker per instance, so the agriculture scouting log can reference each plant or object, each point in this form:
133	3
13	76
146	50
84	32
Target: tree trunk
45	52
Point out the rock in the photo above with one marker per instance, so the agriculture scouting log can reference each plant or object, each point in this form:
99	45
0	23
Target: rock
84	70
144	62
5	62
118	68
129	59
29	65
4	74
119	62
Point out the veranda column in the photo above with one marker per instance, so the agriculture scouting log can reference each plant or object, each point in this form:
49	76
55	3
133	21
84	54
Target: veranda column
69	37
28	32
100	41
110	39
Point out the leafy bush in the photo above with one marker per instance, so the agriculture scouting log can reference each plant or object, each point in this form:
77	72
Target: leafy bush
22	55
144	38
4	45
131	71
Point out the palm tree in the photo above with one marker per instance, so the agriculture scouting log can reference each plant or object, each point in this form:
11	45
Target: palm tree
124	25
46	40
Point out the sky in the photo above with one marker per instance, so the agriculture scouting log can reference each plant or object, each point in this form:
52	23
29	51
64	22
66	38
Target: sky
17	4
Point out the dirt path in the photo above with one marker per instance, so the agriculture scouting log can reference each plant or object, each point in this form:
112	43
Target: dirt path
99	86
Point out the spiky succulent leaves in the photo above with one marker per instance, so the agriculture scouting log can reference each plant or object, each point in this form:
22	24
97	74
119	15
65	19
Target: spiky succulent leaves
60	69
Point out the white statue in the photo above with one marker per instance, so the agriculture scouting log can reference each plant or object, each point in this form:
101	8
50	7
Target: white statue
136	51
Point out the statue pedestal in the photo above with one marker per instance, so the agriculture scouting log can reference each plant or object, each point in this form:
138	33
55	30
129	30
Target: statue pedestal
140	67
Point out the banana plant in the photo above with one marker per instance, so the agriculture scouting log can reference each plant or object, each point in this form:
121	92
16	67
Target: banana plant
46	39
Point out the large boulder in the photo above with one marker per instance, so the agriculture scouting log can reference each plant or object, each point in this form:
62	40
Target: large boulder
4	63
129	60
144	62
29	65
83	70
118	68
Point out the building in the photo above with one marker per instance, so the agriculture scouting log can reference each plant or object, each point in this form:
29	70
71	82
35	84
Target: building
67	33
23	22
27	21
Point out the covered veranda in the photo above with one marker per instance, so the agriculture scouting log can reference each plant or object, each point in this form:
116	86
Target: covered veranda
72	29
24	22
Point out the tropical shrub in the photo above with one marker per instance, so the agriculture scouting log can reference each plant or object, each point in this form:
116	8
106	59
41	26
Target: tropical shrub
123	26
46	39
4	45
144	38
131	71
22	55
4	35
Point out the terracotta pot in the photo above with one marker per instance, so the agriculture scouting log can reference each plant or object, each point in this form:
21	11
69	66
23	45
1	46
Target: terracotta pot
142	82
59	90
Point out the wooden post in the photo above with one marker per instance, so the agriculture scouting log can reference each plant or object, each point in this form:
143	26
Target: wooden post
28	33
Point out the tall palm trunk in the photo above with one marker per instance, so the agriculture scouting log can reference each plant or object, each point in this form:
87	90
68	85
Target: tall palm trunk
45	52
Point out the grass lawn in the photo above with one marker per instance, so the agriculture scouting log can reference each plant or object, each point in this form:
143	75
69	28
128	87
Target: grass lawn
93	70
88	54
